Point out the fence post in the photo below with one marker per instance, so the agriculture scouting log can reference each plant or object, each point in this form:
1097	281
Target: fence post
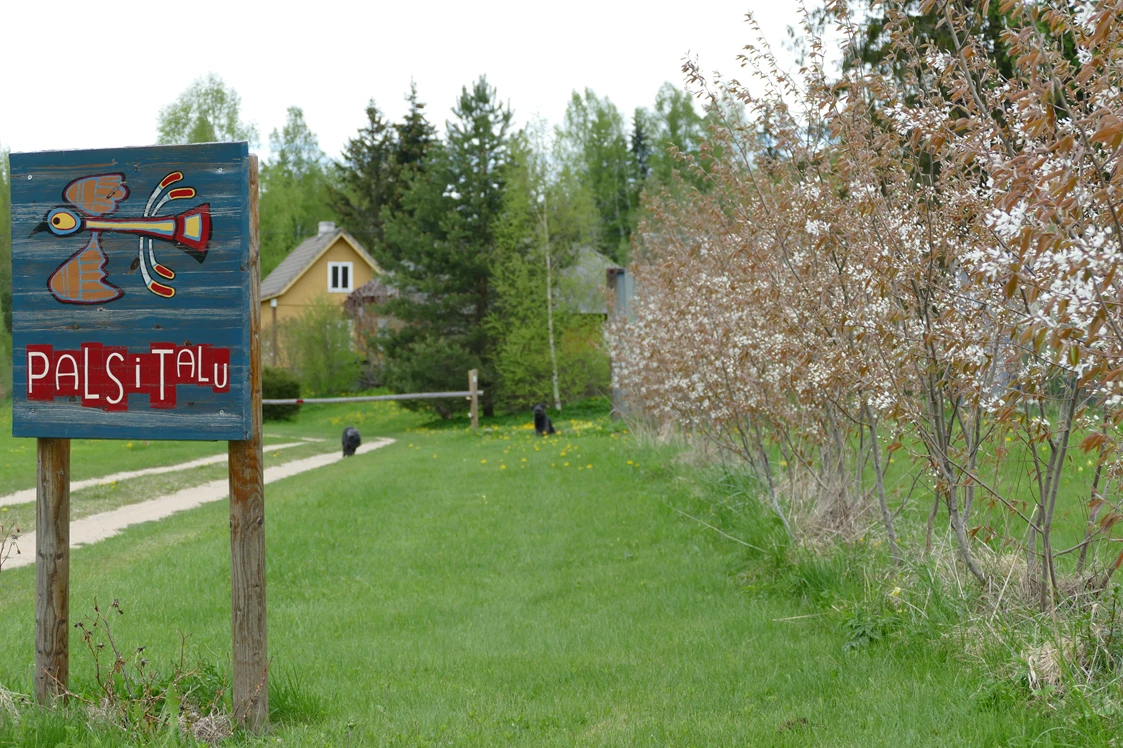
52	570
472	388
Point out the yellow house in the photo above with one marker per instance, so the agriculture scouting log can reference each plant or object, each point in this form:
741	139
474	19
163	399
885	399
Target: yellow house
327	266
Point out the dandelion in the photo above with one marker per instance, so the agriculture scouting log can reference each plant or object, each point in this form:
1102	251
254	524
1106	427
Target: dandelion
590	467
483	462
502	467
630	462
566	465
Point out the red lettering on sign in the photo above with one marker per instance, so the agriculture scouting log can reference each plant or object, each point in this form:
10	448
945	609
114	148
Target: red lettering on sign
102	376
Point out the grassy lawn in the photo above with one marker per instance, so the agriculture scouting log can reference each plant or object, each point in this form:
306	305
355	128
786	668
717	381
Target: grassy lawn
103	498
90	458
500	589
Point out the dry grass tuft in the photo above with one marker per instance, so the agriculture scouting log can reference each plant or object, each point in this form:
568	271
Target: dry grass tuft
9	706
1045	665
210	729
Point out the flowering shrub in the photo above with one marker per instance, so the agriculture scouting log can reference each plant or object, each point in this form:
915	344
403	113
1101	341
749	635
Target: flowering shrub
917	255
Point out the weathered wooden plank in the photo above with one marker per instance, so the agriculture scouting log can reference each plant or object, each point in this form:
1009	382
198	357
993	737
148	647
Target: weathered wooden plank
57	420
247	523
52	570
132	266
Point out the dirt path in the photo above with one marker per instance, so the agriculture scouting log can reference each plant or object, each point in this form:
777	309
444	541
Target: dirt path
27	495
107	524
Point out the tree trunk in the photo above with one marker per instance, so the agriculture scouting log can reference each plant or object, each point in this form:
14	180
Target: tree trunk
886	515
768	475
550	301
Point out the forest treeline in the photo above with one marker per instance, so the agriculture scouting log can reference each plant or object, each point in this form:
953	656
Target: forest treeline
471	216
610	156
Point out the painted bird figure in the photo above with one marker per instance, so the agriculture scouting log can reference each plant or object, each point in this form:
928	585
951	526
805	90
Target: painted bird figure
82	279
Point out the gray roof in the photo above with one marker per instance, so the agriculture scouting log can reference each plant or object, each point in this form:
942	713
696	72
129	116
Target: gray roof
374	291
303	255
583	286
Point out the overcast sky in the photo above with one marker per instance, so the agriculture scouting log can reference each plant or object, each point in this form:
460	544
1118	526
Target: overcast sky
76	77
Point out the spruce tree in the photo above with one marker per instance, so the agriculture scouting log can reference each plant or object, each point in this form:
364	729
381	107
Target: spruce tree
440	254
641	145
415	135
365	179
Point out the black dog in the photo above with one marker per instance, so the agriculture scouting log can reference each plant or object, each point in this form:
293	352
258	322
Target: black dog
542	424
351	440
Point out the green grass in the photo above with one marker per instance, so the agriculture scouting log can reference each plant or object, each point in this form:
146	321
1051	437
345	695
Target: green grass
90	458
102	498
460	589
93	458
908	482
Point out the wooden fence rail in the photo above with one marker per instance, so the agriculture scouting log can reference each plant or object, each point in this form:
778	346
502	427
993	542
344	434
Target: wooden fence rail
369	398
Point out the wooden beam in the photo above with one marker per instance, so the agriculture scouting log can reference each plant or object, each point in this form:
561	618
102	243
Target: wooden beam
367	398
247	522
52	570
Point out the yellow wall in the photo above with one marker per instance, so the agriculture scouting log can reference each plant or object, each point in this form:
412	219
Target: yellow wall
312	287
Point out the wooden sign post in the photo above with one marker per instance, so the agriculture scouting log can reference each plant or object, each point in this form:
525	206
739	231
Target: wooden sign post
136	315
52	569
247	524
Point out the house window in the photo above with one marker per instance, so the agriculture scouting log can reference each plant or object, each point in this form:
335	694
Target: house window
339	277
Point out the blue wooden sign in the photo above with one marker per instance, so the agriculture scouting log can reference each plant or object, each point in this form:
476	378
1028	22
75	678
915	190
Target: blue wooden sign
131	293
